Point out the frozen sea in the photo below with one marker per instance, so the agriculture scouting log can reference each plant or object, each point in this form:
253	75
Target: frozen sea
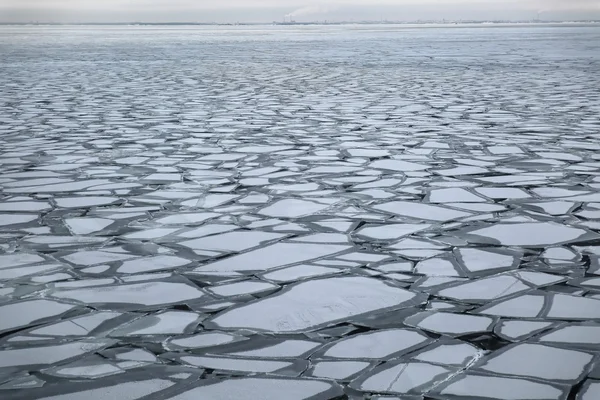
300	212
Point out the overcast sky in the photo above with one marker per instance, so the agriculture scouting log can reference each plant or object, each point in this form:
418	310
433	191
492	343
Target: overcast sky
275	10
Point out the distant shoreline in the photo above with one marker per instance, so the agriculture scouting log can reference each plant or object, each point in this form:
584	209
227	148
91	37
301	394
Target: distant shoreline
314	23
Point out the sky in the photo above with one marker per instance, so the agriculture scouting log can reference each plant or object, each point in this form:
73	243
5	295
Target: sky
298	10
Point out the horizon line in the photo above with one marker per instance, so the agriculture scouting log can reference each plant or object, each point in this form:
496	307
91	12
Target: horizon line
313	22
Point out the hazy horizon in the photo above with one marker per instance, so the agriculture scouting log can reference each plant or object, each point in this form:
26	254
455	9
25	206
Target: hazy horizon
73	11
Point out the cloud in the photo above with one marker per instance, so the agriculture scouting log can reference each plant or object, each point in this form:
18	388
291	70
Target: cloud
311	10
568	5
301	10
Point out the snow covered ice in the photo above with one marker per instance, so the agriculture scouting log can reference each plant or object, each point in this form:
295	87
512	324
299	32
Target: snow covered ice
317	212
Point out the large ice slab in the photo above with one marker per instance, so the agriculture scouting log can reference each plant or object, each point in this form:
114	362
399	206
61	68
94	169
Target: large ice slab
421	211
576	335
390	231
264	389
232	241
46	355
485	289
133	390
530	234
314	303
140	294
293	208
24	313
539	361
402	378
377	345
450	324
486	387
276	255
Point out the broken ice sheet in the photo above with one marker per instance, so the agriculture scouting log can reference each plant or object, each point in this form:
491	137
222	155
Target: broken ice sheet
580	335
402	378
272	348
322	238
16	219
484	289
275	255
470	385
208	201
399	397
377	345
449	352
592	283
437	267
95	257
361	257
538	361
203	340
151	234
241	288
521	306
205	230
336	224
88	368
421	211
24	313
517	330
22	381
85	226
449	323
232	241
45	242
264	389
461	171
538	279
24	206
569	307
502	193
560	253
390	231
483	260
132	390
299	272
163	323
454	195
314	303
339	370
36	270
186	218
85	202
133	295
288	368
78	326
551	207
395	267
531	234
49	354
410	243
498	157
478	207
150	264
589	391
130	355
397	165
293	208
